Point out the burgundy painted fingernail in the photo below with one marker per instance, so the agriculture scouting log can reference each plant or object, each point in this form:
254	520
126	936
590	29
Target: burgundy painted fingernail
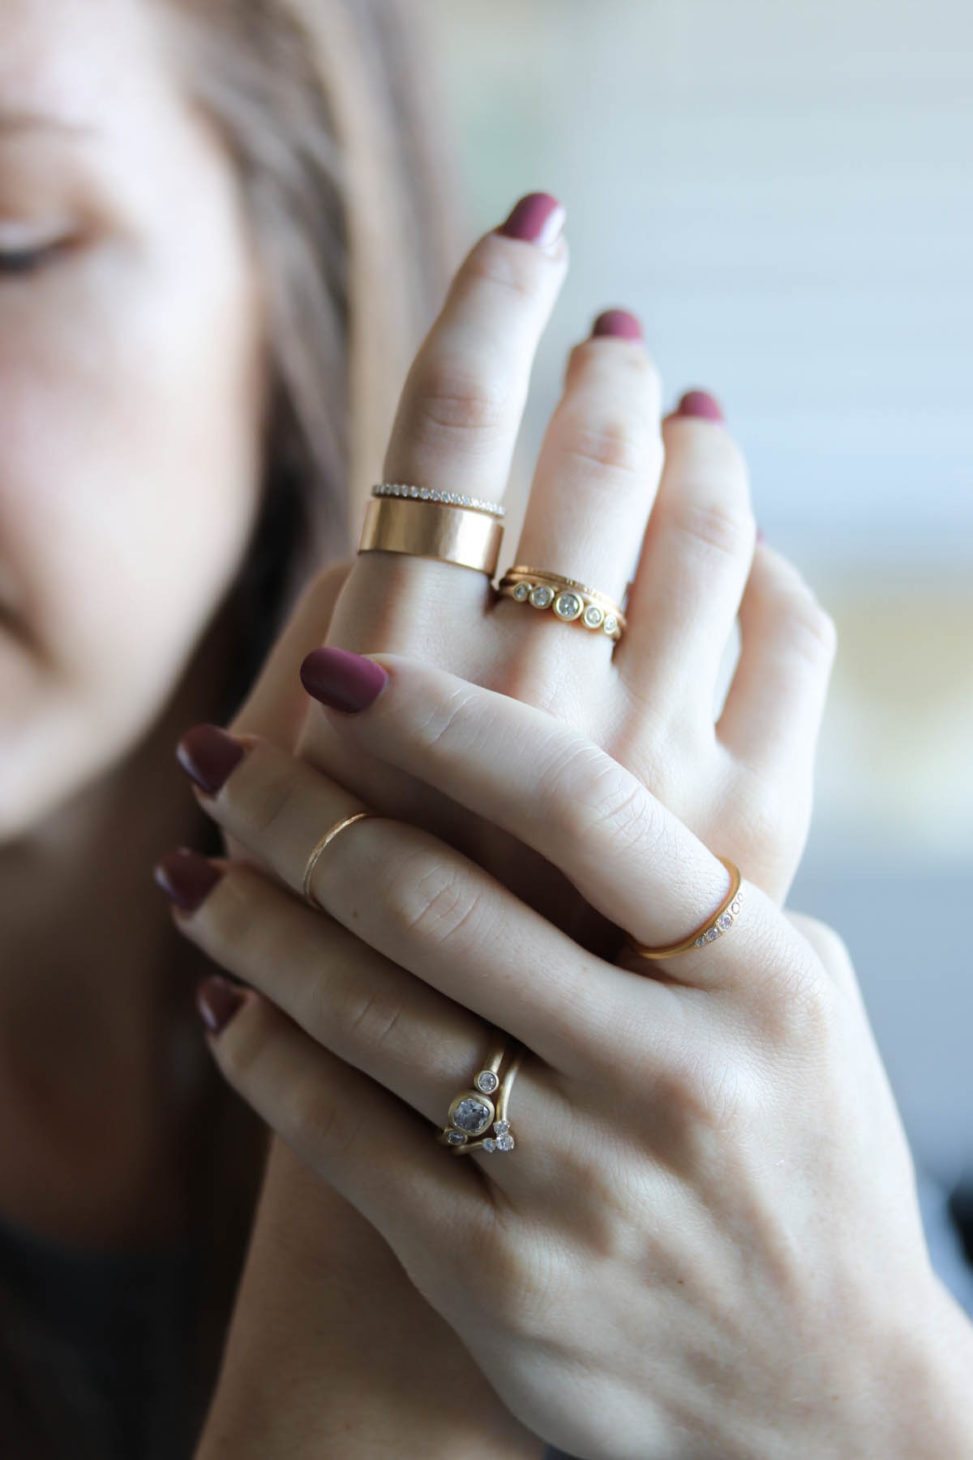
537	218
208	755
618	322
701	404
342	680
217	1000
186	878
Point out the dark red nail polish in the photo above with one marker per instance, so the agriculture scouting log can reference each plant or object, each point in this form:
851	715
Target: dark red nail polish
342	680
217	1000
618	322
208	755
186	878
537	218
701	404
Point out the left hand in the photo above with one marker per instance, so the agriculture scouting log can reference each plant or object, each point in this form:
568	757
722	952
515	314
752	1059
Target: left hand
706	1242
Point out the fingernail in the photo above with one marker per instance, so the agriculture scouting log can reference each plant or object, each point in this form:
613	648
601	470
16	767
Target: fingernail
618	322
217	1000
342	680
208	755
186	878
537	218
701	404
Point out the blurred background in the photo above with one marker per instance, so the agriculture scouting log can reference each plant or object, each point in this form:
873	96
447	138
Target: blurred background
783	195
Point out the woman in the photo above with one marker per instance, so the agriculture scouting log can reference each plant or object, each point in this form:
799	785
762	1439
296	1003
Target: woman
318	1343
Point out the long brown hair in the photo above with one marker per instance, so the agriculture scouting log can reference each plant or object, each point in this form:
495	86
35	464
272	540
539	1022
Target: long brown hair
330	115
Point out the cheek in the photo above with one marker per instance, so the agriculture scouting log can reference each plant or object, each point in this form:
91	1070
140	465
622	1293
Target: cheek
129	482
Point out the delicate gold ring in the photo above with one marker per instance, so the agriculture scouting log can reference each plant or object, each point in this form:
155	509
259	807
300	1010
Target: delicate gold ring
431	494
571	601
317	852
466	536
473	1112
718	922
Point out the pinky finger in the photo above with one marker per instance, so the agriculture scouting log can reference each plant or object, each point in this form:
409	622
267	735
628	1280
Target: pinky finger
774	708
367	1145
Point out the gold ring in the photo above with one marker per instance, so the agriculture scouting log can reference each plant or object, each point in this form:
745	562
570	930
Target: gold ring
317	852
432	494
718	922
422	528
570	601
473	1112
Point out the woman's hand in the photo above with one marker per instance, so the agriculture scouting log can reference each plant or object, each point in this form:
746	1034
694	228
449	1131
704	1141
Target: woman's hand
706	1242
618	496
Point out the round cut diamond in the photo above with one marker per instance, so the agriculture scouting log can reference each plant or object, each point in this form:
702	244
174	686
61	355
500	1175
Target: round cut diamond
724	921
456	1138
489	1145
610	624
487	1081
568	606
710	934
501	1127
542	596
735	906
505	1143
593	616
521	591
472	1114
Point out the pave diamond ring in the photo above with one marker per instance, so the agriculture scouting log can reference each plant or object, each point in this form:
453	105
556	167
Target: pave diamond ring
483	1109
718	922
569	600
445	499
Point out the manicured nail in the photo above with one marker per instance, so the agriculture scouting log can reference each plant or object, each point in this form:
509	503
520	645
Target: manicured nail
208	755
186	878
537	218
701	404
618	322
217	1000
342	680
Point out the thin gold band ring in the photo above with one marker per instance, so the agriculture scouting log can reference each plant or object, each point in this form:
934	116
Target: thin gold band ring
317	851
718	922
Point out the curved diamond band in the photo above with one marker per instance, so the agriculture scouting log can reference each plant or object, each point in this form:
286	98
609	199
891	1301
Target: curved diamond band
445	499
473	1112
718	922
569	600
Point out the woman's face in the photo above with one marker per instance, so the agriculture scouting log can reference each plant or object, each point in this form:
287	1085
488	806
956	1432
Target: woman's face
130	349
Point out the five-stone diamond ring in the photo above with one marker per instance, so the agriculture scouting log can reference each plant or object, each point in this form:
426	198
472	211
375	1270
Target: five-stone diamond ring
569	600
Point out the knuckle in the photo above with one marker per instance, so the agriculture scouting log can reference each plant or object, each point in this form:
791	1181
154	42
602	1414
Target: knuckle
447	719
589	797
272	795
371	1020
612	444
797	1006
515	272
721	525
429	902
453	394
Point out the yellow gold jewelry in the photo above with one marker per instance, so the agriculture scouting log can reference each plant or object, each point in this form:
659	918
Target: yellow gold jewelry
317	852
718	922
569	600
473	1112
424	528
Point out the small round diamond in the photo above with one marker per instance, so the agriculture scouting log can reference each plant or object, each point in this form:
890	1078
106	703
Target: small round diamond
724	921
710	934
487	1081
593	616
610	624
501	1127
699	941
735	906
568	606
489	1145
542	596
505	1143
472	1115
456	1138
521	592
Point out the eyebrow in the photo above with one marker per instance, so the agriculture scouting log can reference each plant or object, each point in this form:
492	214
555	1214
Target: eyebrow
14	122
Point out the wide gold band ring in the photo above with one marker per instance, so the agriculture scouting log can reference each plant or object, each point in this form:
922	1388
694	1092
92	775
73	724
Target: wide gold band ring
422	528
569	600
473	1112
718	922
317	851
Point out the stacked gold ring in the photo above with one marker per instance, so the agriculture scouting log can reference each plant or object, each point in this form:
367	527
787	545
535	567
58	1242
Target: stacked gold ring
472	1114
424	523
569	600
